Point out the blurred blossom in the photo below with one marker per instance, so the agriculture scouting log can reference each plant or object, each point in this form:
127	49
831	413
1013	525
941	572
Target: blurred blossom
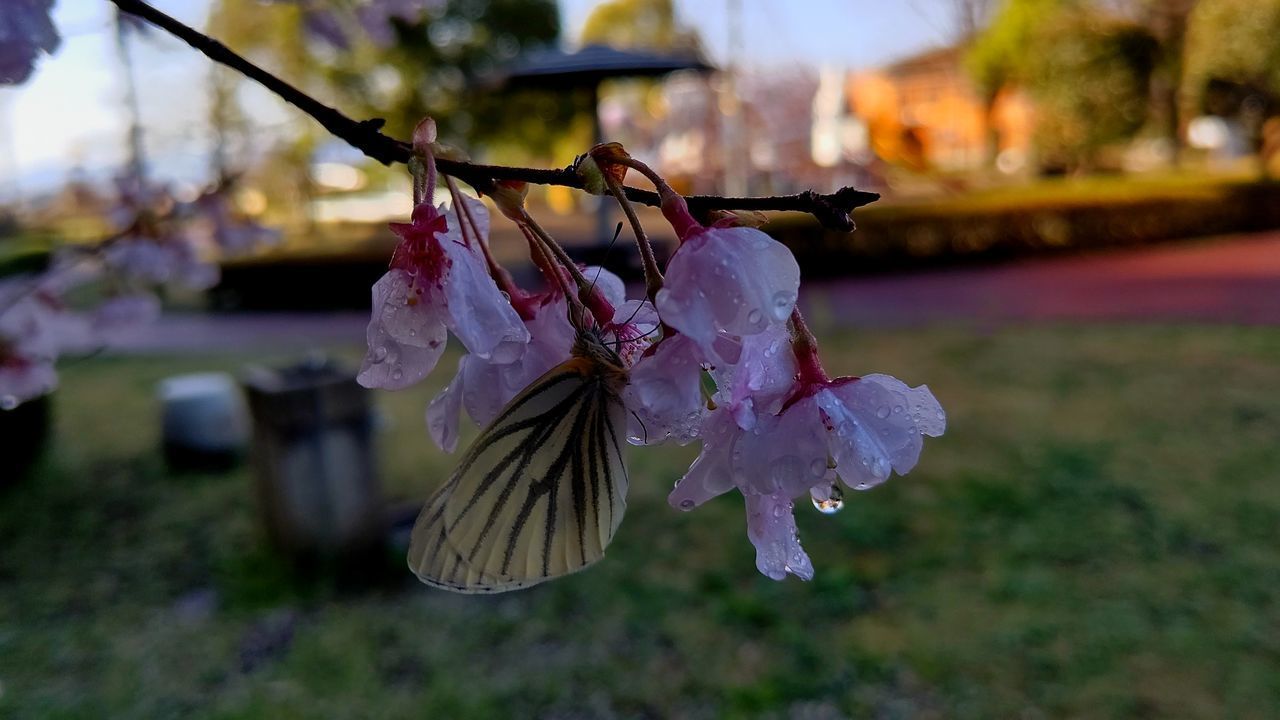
26	31
34	327
172	260
218	223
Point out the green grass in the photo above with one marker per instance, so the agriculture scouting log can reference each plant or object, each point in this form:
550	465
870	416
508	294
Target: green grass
1097	535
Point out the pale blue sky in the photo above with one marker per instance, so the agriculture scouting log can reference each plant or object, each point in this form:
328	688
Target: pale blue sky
69	112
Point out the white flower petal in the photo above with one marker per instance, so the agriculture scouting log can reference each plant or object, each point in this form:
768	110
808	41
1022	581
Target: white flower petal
478	313
444	411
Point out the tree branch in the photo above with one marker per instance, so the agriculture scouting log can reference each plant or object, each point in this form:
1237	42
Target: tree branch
832	210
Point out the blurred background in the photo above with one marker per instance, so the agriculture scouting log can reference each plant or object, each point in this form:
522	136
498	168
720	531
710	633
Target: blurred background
1077	247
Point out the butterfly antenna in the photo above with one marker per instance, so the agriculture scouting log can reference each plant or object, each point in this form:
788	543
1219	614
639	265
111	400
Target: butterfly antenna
642	427
616	232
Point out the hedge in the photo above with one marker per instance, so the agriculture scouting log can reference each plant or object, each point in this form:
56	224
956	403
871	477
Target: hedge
902	236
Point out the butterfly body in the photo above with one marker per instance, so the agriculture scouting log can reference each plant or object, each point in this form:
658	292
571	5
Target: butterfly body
541	491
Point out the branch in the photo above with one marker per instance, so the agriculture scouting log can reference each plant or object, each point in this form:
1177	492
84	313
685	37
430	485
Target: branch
832	210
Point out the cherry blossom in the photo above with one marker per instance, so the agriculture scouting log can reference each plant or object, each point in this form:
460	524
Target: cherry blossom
149	260
858	430
34	327
435	283
26	31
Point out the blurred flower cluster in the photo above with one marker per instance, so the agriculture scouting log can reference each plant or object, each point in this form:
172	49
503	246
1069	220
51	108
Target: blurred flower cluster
156	243
26	31
721	355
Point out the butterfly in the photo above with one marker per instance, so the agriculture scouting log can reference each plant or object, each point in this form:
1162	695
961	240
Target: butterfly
541	491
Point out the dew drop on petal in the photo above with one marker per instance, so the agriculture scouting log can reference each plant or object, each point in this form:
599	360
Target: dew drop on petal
686	504
753	317
882	412
379	354
818	467
782	304
397	375
897	409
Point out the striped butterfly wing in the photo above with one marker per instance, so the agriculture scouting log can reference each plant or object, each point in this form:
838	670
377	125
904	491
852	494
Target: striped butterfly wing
538	495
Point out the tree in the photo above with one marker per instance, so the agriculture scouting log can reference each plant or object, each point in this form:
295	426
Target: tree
435	66
649	24
1089	71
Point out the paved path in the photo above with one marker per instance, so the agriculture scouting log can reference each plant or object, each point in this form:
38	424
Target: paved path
1225	280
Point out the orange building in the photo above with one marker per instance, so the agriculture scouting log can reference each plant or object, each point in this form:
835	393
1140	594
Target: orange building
924	112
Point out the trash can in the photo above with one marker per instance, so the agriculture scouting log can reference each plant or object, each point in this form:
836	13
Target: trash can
313	464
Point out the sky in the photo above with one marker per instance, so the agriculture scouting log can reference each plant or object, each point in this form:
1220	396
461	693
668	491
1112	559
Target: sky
69	115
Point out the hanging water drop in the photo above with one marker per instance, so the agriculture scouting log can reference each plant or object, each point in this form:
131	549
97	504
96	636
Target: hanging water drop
832	503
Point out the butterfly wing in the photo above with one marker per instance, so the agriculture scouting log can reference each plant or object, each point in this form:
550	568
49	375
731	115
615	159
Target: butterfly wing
538	495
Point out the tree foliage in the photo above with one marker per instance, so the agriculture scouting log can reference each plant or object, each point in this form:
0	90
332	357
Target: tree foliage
649	24
441	66
1088	70
1232	43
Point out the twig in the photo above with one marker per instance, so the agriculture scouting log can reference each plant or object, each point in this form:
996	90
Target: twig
831	210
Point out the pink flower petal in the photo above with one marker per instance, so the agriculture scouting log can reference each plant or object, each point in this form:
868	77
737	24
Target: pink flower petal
785	454
771	525
735	280
478	313
712	473
665	392
443	413
761	379
406	335
876	425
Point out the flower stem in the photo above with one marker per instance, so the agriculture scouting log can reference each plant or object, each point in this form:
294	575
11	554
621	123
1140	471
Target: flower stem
505	282
652	273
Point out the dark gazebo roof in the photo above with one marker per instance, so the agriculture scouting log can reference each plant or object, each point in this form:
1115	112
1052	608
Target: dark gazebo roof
593	64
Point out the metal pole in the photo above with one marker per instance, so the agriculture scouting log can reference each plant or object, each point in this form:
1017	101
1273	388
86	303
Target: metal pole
604	213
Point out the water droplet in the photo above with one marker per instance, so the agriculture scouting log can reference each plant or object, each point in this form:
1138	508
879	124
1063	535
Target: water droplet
818	467
686	504
8	402
882	412
753	317
782	304
828	500
897	409
379	354
413	333
397	375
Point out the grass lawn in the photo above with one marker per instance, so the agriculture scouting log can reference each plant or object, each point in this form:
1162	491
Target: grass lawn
1097	535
